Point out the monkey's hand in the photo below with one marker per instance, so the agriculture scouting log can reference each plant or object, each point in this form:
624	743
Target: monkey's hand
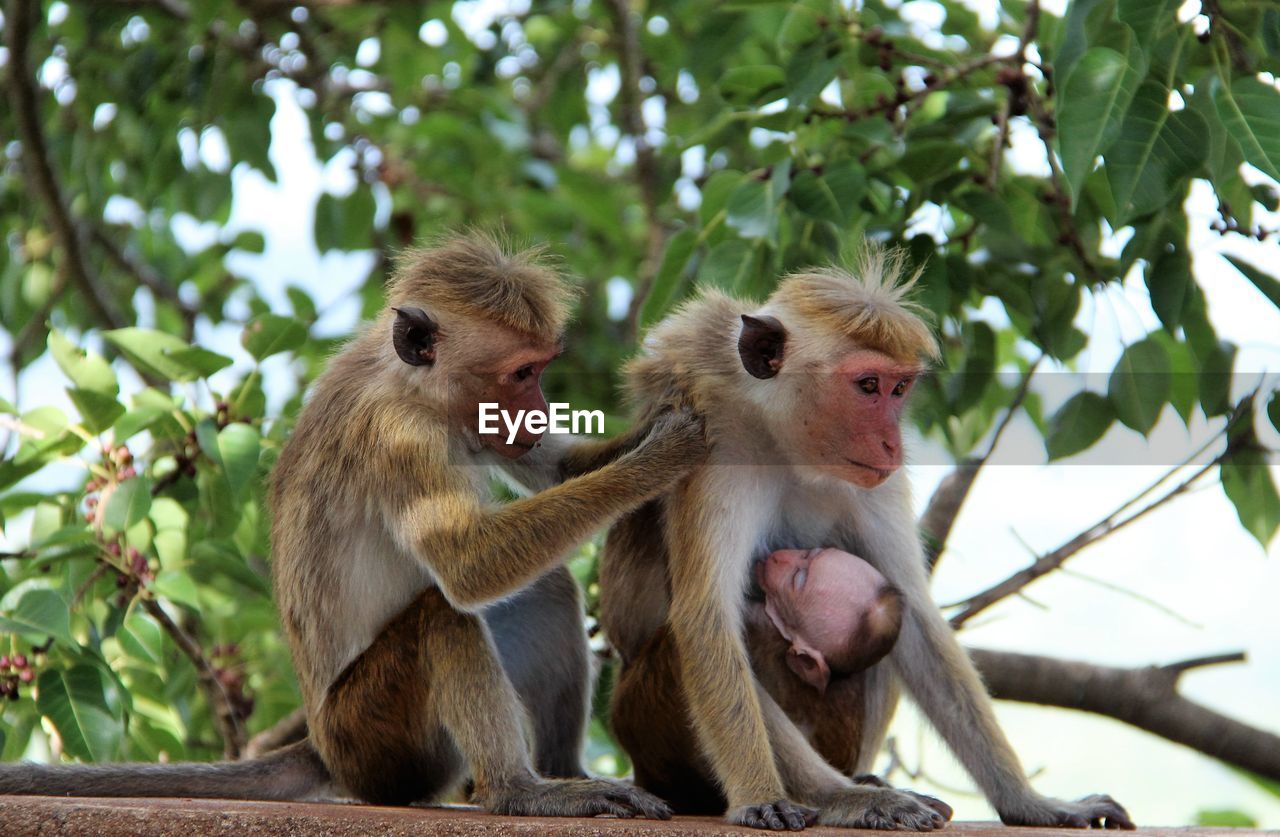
870	806
677	440
1095	811
578	798
781	815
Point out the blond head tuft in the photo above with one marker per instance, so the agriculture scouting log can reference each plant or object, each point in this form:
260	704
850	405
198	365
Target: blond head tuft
479	275
869	303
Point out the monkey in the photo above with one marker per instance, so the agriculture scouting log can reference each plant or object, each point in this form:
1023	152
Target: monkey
422	618
813	621
835	614
803	397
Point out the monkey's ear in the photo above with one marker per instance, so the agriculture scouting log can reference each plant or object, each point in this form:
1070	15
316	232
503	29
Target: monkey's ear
760	345
414	336
809	665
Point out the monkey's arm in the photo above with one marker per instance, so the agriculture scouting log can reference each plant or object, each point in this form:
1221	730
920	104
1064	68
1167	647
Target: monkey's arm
559	457
944	683
714	522
478	555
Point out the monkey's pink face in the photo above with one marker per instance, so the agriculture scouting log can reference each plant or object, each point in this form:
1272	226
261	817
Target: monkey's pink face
860	440
516	385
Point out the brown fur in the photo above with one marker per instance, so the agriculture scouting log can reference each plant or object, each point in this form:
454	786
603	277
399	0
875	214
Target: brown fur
427	624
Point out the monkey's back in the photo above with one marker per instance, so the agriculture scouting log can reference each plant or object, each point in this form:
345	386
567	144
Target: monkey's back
337	571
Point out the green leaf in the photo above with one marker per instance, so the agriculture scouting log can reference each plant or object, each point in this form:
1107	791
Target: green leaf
40	614
177	586
752	209
812	195
1154	149
1269	286
201	361
269	334
1168	280
667	282
238	448
1139	386
1246	479
345	223
73	701
98	410
142	638
1273	411
1147	17
154	352
1094	100
1251	112
129	502
1078	424
1224	818
86	370
752	83
730	265
1216	369
251	241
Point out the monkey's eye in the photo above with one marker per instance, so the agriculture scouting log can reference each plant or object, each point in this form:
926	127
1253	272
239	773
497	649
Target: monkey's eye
902	386
798	580
523	373
870	384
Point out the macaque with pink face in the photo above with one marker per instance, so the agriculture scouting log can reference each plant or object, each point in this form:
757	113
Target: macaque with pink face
838	613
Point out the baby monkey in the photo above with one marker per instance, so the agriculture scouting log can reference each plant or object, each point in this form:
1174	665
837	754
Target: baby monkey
838	615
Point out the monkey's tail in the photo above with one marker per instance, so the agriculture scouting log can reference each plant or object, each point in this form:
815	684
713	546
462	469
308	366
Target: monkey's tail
292	772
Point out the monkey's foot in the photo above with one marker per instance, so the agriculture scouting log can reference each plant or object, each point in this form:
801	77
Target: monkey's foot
579	798
885	809
932	801
1095	811
781	815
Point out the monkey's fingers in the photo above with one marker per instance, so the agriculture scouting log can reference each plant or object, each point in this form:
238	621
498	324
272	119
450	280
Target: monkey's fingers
781	815
1104	812
636	801
936	804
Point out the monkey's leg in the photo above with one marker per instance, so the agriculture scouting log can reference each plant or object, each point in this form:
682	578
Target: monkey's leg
650	720
543	646
430	694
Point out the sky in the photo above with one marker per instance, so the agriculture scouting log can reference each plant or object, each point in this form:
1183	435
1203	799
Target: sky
1184	582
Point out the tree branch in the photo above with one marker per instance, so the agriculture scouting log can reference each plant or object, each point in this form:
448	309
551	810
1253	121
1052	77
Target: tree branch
1049	562
630	99
1110	524
224	713
944	506
145	275
1146	698
290	728
19	20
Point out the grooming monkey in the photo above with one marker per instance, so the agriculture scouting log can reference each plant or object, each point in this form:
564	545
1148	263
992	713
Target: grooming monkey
421	616
803	399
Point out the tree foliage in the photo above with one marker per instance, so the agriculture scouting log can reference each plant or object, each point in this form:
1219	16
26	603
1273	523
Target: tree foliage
674	144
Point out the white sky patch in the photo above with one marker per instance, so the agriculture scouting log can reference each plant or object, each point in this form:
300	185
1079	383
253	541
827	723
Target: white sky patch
433	33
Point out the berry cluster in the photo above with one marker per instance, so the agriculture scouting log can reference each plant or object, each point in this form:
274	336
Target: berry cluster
119	464
230	673
13	671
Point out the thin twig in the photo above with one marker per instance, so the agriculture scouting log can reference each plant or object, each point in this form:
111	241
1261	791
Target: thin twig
19	23
224	713
944	506
145	274
630	100
1051	561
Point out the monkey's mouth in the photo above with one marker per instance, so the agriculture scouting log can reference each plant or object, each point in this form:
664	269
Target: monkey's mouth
881	473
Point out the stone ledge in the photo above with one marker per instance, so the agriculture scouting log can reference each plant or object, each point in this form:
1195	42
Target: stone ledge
21	816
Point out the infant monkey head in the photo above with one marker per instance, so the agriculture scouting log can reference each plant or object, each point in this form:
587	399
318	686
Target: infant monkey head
840	615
